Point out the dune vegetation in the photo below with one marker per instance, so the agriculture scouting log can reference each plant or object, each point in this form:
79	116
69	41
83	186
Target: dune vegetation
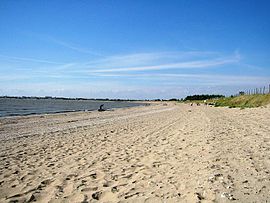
244	101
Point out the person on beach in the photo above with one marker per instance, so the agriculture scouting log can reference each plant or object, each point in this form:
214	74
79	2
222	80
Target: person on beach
101	108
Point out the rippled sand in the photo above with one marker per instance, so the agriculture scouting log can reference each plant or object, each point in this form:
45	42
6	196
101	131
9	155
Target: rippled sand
157	153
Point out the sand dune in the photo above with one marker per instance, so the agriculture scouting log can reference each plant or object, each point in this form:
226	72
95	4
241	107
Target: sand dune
157	153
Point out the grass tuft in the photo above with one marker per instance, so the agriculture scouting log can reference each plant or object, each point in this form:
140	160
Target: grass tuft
244	101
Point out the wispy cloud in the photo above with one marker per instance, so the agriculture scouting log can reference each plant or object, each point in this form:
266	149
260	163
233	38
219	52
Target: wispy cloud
176	78
180	65
147	58
5	78
144	61
158	73
74	47
160	61
61	42
28	59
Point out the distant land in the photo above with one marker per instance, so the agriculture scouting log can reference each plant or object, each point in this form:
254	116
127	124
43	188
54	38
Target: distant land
80	98
191	97
67	98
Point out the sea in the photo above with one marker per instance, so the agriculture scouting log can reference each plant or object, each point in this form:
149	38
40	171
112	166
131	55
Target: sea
28	106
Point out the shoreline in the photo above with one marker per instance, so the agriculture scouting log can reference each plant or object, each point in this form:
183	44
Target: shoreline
71	111
156	153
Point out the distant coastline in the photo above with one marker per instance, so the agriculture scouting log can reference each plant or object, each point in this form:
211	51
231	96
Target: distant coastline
87	99
67	98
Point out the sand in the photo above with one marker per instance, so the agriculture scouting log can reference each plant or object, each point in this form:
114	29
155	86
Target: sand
157	153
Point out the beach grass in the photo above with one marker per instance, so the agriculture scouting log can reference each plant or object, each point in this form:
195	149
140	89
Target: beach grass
244	101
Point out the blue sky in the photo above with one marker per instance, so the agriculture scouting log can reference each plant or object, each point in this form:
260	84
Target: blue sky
133	49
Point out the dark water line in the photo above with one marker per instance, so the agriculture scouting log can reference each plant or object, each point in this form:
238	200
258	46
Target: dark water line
19	107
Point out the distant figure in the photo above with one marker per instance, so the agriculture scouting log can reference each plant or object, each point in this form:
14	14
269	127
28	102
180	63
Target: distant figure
101	108
191	104
198	104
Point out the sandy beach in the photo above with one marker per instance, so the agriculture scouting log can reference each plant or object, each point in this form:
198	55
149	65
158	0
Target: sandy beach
157	153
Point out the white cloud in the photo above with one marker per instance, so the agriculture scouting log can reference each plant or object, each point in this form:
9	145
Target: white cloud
74	47
180	65
128	76
176	78
28	59
159	61
134	59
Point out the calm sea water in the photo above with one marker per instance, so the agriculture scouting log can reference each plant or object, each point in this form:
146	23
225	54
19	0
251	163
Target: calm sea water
15	107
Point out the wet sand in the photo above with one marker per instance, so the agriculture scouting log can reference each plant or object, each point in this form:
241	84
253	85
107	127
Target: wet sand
157	153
